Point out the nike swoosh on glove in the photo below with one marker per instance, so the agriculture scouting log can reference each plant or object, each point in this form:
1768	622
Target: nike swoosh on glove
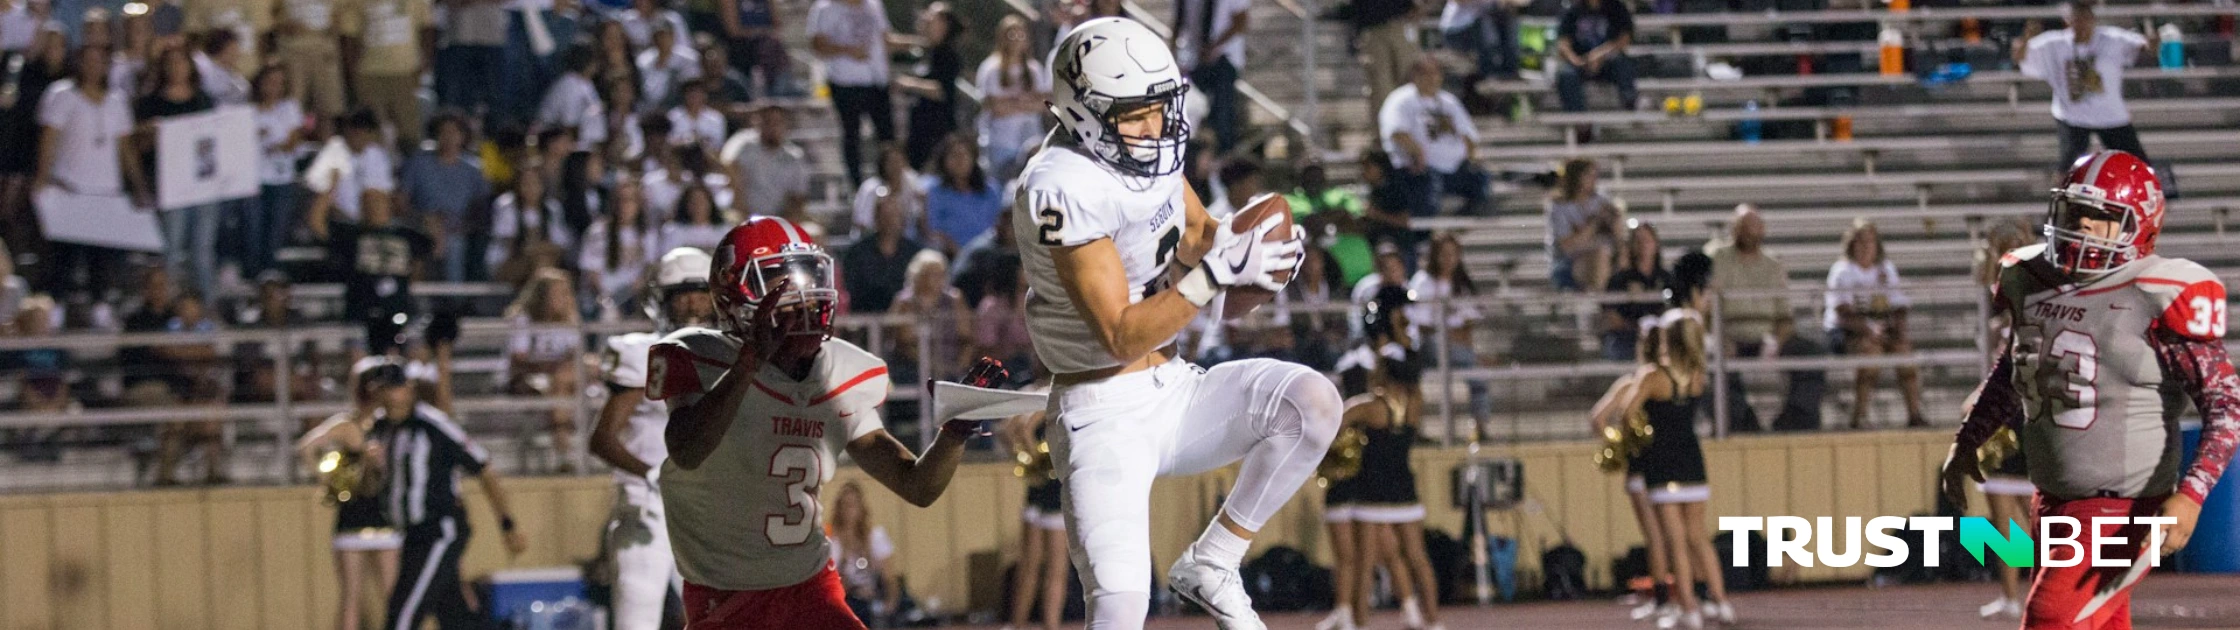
1246	259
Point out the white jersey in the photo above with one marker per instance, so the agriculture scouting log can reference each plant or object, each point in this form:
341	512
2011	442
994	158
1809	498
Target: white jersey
625	366
748	518
1066	198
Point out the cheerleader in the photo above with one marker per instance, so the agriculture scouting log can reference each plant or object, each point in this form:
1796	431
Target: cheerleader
1043	561
1388	516
1606	412
1352	600
1672	464
365	544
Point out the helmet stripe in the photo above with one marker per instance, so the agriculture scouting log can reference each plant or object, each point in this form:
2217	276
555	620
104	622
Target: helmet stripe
2092	171
793	233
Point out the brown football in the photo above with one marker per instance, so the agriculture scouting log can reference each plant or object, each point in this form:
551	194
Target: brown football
1238	301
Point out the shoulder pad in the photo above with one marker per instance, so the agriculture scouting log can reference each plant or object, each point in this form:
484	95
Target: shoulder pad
853	377
687	361
624	362
2027	252
2190	297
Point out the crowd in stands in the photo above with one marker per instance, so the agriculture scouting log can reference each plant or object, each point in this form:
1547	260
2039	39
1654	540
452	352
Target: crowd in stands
563	146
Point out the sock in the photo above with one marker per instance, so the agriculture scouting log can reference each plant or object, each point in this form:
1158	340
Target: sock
1220	547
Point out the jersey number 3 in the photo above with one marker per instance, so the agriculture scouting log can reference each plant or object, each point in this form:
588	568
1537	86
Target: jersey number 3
800	467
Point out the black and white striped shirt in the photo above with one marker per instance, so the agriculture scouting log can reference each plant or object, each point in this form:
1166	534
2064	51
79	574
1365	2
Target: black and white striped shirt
425	453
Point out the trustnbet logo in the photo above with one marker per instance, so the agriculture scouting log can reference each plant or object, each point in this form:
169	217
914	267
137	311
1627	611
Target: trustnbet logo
1787	539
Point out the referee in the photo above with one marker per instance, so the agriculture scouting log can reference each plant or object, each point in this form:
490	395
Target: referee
425	451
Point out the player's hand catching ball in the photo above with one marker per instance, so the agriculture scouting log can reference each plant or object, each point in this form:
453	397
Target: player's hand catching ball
2187	512
987	372
1959	469
1248	258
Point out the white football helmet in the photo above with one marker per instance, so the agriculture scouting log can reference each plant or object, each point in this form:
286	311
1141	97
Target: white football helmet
1111	66
682	269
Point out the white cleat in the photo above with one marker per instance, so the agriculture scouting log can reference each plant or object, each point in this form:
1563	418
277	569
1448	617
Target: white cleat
2001	607
1412	613
1721	612
1645	611
1219	590
1674	619
1339	619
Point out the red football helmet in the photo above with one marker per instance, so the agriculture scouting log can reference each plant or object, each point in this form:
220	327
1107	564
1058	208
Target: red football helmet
756	256
2105	186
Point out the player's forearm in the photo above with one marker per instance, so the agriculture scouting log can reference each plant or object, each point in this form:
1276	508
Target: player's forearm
929	476
1994	404
2204	370
696	429
606	439
496	493
1148	325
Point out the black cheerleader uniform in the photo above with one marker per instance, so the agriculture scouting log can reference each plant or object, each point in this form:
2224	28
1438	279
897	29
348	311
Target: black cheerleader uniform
362	523
1672	465
1045	496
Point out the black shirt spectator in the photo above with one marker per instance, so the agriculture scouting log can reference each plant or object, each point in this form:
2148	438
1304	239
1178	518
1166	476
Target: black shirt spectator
875	268
1588	25
377	259
994	254
143	364
933	113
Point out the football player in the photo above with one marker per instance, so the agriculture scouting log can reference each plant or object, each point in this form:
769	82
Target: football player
628	437
1120	256
2101	324
759	409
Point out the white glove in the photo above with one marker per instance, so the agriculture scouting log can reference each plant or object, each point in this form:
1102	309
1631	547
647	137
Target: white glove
1239	260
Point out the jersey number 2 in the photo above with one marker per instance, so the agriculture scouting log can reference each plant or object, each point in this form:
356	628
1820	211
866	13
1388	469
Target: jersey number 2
801	468
1167	244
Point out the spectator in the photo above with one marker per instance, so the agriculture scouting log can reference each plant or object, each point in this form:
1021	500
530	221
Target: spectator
540	362
42	378
865	555
19	26
2084	64
307	39
1013	87
582	193
442	188
388	59
1592	37
280	137
654	152
1209	42
851	38
1391	270
666	180
1240	182
215	62
932	83
1072	14
644	17
1759	325
1000	324
696	223
190	234
1317	333
1332	216
873	268
1433	142
46	62
129	64
1866	316
533	40
197	381
1382	34
553	147
96	28
616	251
994	254
471	58
750	33
256	363
368	166
613	60
625	127
1643	274
1444	278
1487	31
944	321
573	102
247	20
695	123
1385	218
526	227
769	172
727	88
83	125
149	377
663	68
898	180
1582	229
962	201
378	257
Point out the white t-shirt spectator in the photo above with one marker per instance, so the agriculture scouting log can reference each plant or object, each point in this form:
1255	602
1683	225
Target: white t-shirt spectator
704	129
766	174
1437	121
658	78
1428	292
507	220
866	207
638	27
85	159
1860	287
224	86
675	235
1224	14
18	27
1017	130
664	191
1460	13
862	24
274	126
370	169
621	283
2087	78
573	103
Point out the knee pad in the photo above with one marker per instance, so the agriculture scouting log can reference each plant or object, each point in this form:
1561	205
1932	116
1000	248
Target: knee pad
1310	405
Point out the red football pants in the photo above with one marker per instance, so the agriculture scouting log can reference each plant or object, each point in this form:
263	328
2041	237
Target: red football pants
818	603
2060	593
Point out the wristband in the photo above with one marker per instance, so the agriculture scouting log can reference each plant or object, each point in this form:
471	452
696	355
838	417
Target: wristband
505	523
1197	287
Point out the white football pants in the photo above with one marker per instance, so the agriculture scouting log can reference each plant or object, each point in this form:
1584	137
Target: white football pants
645	569
1110	438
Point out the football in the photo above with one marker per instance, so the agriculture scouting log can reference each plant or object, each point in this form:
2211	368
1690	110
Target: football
1238	301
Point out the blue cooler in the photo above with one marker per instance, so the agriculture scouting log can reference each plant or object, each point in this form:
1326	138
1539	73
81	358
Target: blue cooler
2215	547
520	593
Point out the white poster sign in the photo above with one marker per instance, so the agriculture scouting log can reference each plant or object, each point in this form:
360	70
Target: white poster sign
97	220
206	157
